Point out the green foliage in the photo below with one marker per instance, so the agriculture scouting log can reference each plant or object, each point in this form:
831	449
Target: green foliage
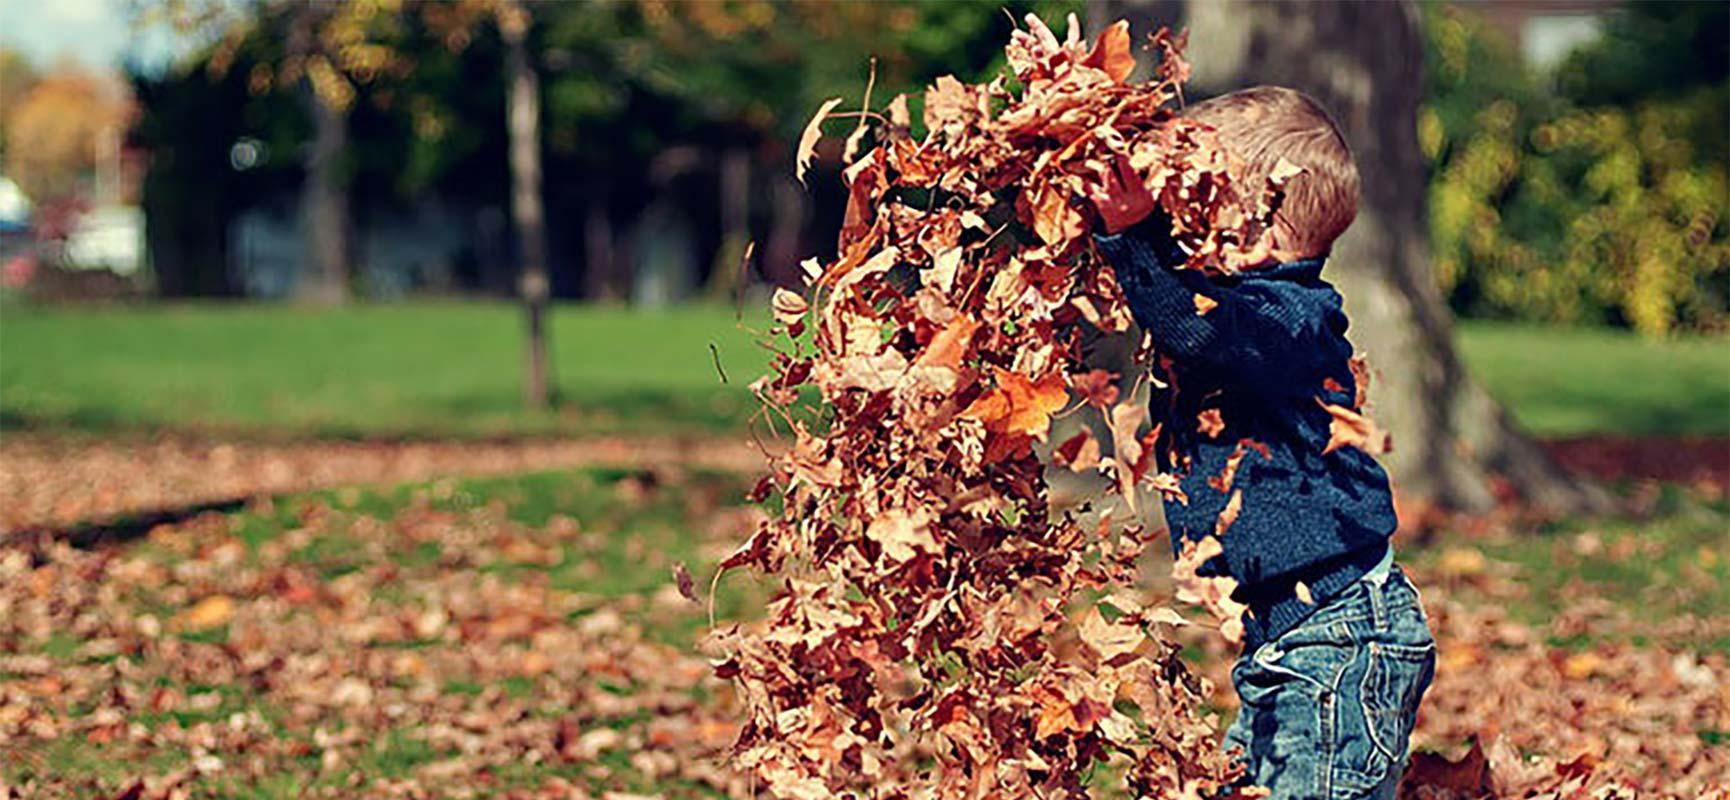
1603	203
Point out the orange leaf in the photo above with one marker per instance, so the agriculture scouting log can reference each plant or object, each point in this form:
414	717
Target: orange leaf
1019	405
950	344
1228	515
1209	423
1111	52
1097	387
1204	304
1223	481
1351	429
207	613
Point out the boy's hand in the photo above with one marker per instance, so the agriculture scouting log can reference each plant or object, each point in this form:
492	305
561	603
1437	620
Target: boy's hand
1120	196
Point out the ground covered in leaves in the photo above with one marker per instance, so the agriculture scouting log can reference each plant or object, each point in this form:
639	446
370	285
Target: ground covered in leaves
521	637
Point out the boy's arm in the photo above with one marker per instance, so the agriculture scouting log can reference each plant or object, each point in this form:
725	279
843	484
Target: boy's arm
1263	337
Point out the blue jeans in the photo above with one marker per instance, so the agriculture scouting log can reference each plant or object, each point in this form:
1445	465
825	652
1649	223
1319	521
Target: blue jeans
1328	707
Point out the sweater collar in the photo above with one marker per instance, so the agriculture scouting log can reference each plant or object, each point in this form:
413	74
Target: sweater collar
1307	269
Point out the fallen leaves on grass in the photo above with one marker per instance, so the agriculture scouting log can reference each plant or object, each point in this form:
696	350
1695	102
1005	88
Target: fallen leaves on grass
427	654
56	482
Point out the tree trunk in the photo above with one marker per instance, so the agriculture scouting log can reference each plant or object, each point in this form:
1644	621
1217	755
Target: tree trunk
600	257
324	193
1364	62
727	273
780	261
523	118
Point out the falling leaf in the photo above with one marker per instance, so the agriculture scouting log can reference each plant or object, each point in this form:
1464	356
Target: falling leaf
1204	304
1111	53
687	587
1361	376
1209	423
1302	590
1079	453
1097	387
1108	640
1227	476
809	138
898	115
1351	429
1055	219
789	307
1228	515
1020	405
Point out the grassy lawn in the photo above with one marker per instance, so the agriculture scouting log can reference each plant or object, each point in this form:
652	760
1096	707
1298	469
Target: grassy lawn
383	370
1579	381
454	370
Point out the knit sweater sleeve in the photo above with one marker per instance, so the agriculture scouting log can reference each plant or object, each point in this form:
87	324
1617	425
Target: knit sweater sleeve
1272	337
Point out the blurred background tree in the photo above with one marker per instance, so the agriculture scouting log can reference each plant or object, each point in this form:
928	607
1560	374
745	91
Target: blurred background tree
60	126
1594	194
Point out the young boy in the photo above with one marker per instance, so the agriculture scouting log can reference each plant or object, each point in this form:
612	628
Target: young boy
1337	652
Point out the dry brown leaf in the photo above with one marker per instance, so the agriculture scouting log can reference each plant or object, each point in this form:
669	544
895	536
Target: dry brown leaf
808	139
1352	429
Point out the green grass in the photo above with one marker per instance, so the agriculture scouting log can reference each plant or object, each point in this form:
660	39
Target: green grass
455	370
1577	381
405	370
1669	565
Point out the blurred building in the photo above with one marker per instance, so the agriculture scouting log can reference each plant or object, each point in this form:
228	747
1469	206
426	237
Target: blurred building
1546	31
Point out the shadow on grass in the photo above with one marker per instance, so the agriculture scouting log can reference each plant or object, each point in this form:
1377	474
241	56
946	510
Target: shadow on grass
474	417
121	529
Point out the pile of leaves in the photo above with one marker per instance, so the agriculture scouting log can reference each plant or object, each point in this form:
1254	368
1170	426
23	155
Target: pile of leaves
921	643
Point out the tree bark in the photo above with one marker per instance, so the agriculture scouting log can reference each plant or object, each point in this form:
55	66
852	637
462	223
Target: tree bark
780	261
727	274
603	282
1364	62
523	119
324	206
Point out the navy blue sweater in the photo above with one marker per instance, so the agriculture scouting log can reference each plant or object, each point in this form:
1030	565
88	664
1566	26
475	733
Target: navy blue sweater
1261	357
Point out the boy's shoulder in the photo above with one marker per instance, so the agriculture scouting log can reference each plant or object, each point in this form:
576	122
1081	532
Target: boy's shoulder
1292	290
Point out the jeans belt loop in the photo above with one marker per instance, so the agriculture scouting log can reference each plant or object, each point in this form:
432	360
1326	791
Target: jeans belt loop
1378	605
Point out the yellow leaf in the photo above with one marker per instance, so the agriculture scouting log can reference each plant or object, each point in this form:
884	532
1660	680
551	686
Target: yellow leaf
208	613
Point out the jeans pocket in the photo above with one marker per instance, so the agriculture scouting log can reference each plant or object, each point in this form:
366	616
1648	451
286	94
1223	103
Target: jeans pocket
1393	684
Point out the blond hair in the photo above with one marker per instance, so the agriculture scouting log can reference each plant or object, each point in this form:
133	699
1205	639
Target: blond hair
1262	125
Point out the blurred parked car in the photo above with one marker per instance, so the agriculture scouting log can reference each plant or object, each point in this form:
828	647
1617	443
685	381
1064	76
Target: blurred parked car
110	238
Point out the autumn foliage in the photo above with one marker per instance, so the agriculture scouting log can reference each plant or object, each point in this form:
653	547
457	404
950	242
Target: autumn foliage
940	630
